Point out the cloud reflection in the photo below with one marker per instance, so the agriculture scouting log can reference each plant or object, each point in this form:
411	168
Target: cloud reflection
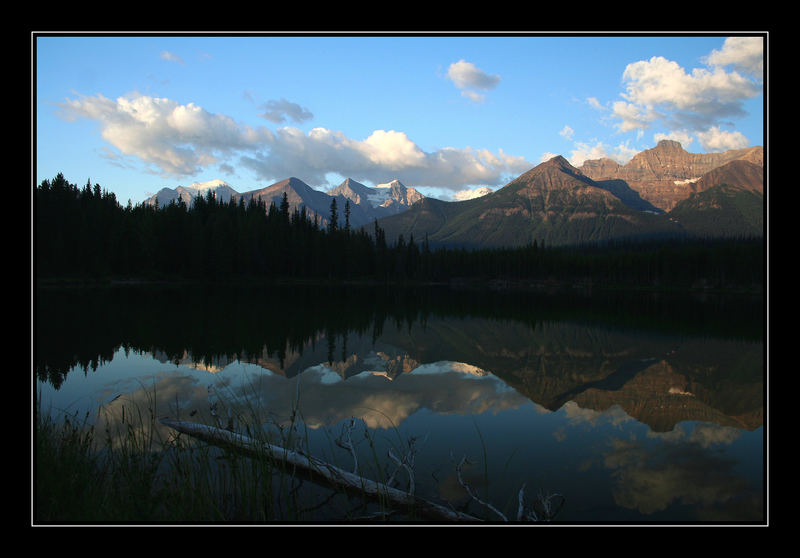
325	398
651	479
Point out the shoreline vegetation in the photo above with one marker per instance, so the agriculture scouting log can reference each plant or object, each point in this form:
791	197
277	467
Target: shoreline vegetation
83	236
201	474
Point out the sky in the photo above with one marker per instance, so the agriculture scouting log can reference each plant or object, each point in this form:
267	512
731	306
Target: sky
443	113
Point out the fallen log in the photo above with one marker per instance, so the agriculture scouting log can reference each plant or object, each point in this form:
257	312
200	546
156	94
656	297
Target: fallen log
321	471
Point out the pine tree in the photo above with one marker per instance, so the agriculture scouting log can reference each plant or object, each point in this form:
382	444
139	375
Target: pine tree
333	224
284	207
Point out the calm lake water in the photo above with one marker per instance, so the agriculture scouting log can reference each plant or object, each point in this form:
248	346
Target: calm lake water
634	408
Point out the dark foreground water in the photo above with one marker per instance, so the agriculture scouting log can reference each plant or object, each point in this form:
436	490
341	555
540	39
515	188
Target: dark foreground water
634	408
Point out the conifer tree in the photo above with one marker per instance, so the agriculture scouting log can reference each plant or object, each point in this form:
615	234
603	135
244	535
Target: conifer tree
334	218
284	207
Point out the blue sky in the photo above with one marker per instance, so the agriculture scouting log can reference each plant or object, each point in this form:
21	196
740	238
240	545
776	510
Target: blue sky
442	113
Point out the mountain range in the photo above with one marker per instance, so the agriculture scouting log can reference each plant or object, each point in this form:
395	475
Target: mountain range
366	203
661	192
667	174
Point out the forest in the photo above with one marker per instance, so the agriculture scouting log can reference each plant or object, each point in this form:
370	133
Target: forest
84	234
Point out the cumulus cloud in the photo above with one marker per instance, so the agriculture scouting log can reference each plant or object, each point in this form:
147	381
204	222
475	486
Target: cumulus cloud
745	54
651	480
633	117
661	90
715	139
470	79
180	140
384	152
174	139
687	103
279	111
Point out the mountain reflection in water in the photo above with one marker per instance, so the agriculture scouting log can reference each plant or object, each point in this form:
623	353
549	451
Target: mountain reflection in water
566	390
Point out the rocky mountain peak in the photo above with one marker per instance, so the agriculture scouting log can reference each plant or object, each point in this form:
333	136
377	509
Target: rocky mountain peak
559	162
669	145
665	174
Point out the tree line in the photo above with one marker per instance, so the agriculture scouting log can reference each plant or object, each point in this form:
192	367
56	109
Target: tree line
83	232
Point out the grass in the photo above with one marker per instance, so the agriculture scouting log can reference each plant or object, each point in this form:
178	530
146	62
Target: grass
130	474
124	469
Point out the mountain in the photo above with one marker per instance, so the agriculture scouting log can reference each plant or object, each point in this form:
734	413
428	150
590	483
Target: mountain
728	201
741	174
366	204
394	197
354	191
662	192
554	202
386	199
220	188
666	174
317	203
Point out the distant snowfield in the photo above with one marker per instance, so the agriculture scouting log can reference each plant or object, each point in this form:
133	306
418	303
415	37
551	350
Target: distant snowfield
208	185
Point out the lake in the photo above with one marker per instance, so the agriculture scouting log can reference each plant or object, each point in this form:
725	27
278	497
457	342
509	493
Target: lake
632	407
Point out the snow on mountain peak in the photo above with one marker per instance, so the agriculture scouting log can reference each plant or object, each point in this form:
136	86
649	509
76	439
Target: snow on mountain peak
394	182
208	185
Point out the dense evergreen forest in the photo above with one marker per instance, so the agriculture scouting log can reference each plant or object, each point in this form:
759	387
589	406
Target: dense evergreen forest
83	233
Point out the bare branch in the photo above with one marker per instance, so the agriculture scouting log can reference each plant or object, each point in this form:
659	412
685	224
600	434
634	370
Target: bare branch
320	472
472	494
345	441
402	464
407	463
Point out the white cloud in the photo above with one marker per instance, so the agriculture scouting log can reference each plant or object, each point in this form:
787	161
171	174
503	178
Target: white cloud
632	117
566	132
181	140
745	54
176	140
392	150
687	104
715	139
622	153
384	154
660	89
469	78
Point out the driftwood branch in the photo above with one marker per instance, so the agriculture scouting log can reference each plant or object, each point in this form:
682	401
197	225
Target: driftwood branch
406	463
320	471
345	441
402	464
471	493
